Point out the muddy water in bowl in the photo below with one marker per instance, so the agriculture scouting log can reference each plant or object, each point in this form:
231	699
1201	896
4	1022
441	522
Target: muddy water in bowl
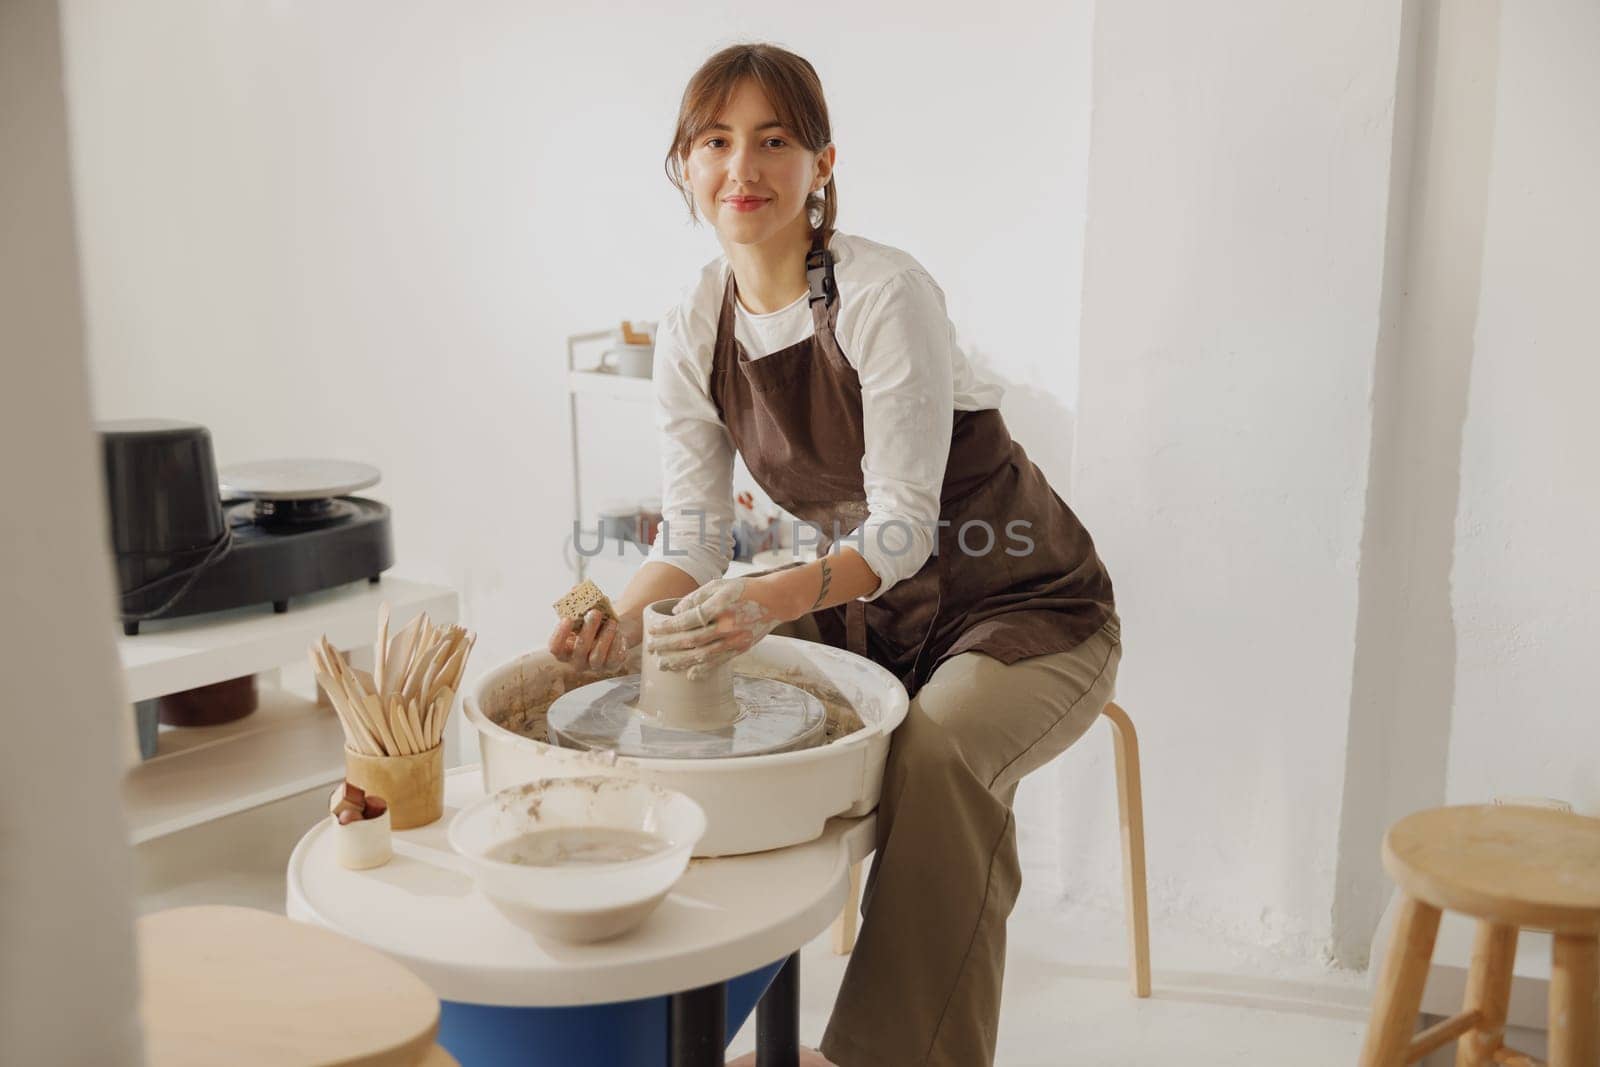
577	846
578	859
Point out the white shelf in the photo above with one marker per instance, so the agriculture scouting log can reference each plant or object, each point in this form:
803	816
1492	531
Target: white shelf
287	745
170	656
612	386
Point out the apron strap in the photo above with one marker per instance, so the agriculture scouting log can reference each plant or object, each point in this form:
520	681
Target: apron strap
819	271
824	301
914	679
855	628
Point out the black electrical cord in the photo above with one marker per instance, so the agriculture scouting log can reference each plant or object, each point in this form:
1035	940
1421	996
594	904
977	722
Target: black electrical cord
215	553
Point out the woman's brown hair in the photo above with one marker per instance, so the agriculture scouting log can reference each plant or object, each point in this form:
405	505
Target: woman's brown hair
790	83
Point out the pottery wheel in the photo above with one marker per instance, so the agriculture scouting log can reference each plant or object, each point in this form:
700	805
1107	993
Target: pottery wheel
296	479
773	717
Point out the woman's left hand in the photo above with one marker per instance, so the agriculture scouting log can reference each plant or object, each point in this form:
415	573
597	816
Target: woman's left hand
720	620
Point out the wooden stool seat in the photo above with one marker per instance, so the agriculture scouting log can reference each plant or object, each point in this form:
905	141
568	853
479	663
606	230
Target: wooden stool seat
1508	867
1528	867
237	986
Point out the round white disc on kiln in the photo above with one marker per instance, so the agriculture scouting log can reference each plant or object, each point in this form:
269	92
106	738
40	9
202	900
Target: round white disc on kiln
296	479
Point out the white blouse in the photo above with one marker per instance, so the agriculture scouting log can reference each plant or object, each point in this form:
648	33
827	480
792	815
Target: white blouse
894	331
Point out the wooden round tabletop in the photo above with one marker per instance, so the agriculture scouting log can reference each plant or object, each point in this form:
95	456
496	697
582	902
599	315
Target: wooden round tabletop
1518	866
252	989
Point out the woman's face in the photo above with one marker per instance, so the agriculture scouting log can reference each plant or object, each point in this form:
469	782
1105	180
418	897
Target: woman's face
749	176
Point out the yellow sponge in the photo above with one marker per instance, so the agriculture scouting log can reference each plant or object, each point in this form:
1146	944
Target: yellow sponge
581	599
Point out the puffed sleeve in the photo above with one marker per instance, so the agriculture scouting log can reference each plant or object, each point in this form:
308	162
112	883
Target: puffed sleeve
903	358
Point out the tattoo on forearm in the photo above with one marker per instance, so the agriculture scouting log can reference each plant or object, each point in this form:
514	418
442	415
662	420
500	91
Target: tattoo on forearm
827	580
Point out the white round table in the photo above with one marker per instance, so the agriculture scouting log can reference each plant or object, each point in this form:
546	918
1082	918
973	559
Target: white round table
733	920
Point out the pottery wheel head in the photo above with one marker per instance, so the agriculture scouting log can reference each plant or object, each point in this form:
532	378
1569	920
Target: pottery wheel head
773	717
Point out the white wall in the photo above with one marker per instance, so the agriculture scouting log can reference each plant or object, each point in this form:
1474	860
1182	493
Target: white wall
1336	352
1478	581
1526	580
1336	439
365	229
68	982
1238	186
1406	647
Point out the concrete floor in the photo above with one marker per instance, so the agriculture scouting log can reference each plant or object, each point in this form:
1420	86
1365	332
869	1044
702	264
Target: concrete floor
1067	999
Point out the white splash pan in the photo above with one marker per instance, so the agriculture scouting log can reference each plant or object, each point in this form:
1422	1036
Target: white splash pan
752	803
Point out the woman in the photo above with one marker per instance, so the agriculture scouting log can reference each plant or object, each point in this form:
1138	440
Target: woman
827	362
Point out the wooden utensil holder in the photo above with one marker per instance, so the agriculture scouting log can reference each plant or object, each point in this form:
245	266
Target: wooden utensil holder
413	785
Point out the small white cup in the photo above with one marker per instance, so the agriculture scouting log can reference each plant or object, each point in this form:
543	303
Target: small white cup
364	843
630	361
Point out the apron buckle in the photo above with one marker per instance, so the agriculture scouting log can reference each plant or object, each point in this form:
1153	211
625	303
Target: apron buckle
819	275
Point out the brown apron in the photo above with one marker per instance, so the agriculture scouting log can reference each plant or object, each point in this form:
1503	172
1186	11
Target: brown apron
795	416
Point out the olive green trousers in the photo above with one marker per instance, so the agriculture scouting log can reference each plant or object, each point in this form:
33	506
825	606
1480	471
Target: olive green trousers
923	983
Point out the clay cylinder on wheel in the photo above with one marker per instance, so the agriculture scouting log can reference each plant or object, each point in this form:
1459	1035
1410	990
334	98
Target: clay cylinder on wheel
671	699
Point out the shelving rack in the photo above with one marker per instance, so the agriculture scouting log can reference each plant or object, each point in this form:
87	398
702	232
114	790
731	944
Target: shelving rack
611	387
614	387
291	742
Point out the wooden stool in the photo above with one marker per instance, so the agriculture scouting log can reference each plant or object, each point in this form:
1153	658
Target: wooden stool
1508	867
1130	813
251	989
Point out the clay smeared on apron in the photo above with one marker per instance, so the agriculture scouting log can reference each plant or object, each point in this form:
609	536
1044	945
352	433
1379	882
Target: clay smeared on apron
795	416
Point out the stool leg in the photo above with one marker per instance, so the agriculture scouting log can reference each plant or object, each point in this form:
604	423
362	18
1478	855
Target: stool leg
844	927
1488	992
1130	813
1399	994
1575	1001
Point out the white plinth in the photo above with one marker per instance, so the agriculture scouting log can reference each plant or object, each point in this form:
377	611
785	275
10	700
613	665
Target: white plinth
172	655
726	917
289	743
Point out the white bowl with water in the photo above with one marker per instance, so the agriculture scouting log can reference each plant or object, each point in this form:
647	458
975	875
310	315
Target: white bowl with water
578	859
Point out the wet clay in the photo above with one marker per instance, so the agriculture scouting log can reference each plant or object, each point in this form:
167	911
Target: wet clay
674	699
524	711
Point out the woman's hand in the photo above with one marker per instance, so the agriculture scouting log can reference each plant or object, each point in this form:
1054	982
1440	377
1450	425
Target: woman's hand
599	645
718	621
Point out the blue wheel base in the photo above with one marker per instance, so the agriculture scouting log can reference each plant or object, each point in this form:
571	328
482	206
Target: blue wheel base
631	1033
